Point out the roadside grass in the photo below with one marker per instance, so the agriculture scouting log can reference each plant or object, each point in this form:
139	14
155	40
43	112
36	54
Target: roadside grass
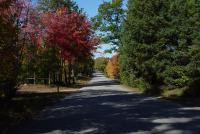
131	89
173	93
30	100
177	95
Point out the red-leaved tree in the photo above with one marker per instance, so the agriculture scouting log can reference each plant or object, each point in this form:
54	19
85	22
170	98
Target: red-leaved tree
68	32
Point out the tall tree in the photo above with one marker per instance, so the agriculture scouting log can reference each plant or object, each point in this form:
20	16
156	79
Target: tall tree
157	40
12	20
53	5
108	22
69	33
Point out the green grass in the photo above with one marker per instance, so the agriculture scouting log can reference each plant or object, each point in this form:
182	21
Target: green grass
178	96
173	93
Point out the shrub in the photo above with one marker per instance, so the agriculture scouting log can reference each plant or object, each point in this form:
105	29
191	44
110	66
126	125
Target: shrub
176	77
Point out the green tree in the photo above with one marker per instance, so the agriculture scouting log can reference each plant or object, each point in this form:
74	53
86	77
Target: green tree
157	41
101	63
53	5
108	22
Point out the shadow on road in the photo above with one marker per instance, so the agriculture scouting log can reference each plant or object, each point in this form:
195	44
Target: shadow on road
103	107
114	112
104	83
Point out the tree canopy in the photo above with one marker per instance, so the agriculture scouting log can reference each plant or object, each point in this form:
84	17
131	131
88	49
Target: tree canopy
160	44
108	22
53	40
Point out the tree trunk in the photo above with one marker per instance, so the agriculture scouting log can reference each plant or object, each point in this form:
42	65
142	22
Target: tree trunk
65	73
69	72
49	80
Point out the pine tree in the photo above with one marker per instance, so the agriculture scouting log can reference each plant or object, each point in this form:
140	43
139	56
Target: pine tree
158	39
53	5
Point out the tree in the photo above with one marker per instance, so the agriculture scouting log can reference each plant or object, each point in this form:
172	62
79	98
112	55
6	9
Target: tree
71	33
67	32
156	44
12	20
45	62
100	63
108	22
53	5
112	68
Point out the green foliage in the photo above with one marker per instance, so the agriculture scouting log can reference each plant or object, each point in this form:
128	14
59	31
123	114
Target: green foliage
109	21
176	77
130	79
160	44
84	66
53	5
100	63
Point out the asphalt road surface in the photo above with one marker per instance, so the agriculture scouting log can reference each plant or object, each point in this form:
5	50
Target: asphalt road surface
105	107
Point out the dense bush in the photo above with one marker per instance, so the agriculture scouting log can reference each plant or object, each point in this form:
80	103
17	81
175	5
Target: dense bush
176	77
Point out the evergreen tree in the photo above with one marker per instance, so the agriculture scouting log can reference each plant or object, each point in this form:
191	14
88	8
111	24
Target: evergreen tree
53	5
157	41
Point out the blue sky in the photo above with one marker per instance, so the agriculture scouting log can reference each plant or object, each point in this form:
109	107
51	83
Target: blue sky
89	6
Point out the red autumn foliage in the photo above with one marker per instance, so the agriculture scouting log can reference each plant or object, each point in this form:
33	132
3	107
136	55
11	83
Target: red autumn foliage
14	10
70	32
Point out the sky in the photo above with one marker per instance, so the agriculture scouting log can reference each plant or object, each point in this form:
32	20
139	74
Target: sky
89	6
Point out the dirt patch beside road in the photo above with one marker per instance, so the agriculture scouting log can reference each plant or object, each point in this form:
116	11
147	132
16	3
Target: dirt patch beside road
45	89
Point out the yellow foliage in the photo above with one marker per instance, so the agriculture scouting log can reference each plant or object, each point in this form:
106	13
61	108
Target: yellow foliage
112	68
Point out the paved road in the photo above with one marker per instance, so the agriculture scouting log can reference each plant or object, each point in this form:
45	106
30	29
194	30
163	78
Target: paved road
106	107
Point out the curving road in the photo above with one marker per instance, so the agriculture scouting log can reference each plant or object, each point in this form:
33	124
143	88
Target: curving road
106	107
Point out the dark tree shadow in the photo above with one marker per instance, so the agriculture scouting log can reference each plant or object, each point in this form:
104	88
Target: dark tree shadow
23	107
113	112
104	83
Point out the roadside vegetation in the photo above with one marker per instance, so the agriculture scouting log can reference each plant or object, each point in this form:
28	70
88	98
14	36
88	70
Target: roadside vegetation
100	63
158	43
49	44
157	47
